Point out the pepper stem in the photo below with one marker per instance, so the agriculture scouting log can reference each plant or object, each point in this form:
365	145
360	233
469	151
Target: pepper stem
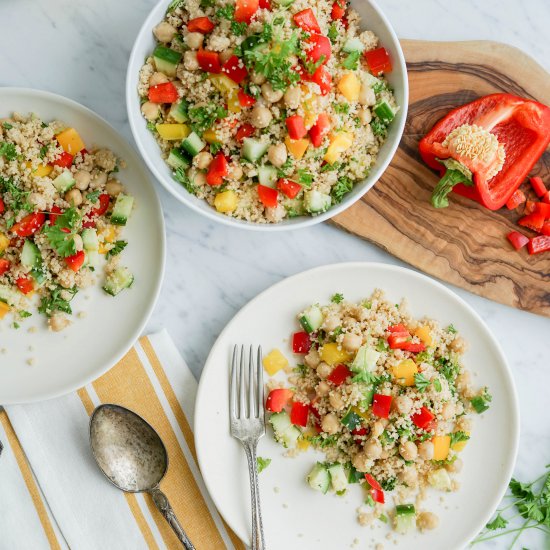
445	186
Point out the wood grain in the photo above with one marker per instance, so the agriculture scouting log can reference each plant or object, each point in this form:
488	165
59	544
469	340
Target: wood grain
464	244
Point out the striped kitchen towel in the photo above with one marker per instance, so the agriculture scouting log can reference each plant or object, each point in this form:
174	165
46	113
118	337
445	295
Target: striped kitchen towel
52	495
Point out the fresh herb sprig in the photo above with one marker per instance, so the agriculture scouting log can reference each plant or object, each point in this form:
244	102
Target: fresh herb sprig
61	233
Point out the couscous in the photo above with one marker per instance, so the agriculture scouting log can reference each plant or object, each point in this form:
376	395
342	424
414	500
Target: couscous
267	109
384	396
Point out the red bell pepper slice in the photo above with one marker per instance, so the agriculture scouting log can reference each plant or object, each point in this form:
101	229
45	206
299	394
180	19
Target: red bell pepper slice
55	212
76	261
413	347
245	10
516	199
543	209
322	78
533	221
299	414
545	229
307	21
521	126
378	61
245	100
538	186
25	284
296	127
29	225
288	188
209	61
301	342
338	10
339	374
517	239
200	24
217	170
318	46
376	491
319	130
234	68
65	160
163	93
398	328
423	418
530	207
546	197
398	339
381	405
246	130
268	196
2	206
4	266
278	399
265	5
539	244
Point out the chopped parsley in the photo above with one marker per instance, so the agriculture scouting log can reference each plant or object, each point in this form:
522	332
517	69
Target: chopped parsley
457	437
8	150
481	402
181	176
342	108
320	441
118	247
175	4
333	33
378	127
18	199
61	240
151	126
382	345
215	148
421	382
305	177
389	483
238	28
337	298
203	118
451	329
352	61
43	151
57	301
206	3
301	370
343	186
262	463
24	314
7	126
447	368
93	196
226	12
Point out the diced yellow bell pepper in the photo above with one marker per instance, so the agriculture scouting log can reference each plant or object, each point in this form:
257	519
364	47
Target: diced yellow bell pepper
70	141
41	171
233	103
339	143
458	447
405	371
4	309
226	201
274	361
296	147
309	107
442	444
425	335
4	242
332	354
173	132
210	136
303	442
223	83
109	236
363	414
349	86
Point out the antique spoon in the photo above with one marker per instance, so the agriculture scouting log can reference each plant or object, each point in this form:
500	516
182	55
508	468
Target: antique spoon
132	456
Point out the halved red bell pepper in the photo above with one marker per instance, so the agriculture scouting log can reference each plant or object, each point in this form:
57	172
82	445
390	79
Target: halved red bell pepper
339	375
538	186
307	21
533	221
65	160
296	127
381	405
318	47
4	266
299	413
378	61
245	10
234	68
163	93
539	244
268	196
200	24
301	342
423	418
76	261
29	225
288	188
521	127
319	130
25	284
246	130
217	170
516	199
278	399
517	239
338	10
209	61
376	491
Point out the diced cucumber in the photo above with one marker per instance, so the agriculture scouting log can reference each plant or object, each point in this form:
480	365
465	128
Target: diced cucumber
9	295
365	359
440	479
93	258
178	111
284	2
316	202
311	319
39	274
285	432
30	255
371	80
118	280
177	159
64	181
166	60
267	175
351	420
90	240
405	518
384	111
290	437
193	144
319	478
254	149
353	45
122	209
338	478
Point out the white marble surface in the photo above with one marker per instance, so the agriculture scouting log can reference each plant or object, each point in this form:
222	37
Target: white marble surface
80	50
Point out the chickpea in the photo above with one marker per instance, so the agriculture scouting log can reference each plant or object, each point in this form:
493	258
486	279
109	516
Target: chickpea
352	342
158	78
235	171
366	95
58	322
275	214
408	450
292	97
463	380
202	160
455	466
458	345
331	323
365	116
373	448
426	521
361	462
74	197
78	243
257	78
312	359
82	179
403	404
336	401
164	32
225	55
464	424
426	450
377	429
260	116
322	389
98	179
199	179
190	61
277	154
323	370
330	423
409	476
113	188
194	40
269	94
150	110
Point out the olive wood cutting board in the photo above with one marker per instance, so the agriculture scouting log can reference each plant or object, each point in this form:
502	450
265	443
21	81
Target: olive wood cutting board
464	244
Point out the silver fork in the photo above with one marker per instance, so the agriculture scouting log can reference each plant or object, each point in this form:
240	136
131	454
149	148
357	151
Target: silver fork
1	446
247	421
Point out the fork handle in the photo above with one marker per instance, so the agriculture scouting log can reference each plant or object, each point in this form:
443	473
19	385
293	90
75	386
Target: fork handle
258	542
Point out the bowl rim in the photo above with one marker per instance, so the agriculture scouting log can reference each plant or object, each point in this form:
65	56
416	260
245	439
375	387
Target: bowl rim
296	223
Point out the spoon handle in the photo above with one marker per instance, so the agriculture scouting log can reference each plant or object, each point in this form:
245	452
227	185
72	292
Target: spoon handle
161	502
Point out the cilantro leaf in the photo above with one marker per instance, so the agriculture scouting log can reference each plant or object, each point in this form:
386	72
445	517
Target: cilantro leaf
481	402
262	463
352	61
118	247
457	437
421	382
202	118
58	300
17	199
61	234
498	523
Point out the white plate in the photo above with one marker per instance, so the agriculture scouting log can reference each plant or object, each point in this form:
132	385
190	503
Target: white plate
295	516
372	18
84	351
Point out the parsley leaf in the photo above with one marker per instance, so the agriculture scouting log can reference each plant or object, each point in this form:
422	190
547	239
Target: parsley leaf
457	437
17	198
118	247
24	314
421	382
333	33
238	28
181	176
352	61
389	483
378	127
337	298
262	463
343	186
304	177
61	241
215	148
175	4
7	150
498	523
342	108
58	300
43	151
204	117
451	329
7	126
437	384
481	402
93	196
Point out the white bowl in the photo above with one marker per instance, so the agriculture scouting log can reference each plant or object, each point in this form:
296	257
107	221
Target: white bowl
371	17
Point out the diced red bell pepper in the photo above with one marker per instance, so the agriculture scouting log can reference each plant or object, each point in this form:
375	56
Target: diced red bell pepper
538	186
413	347
217	170
278	399
163	93
530	207
376	491
322	78
543	209
307	21
378	61
4	266
338	10
318	47
546	197
234	68
89	220
301	342
517	239
268	196
372	482
200	24
339	375
296	127
359	432
288	188
539	244
533	221
76	261
516	199
423	418
65	160
313	410
246	130
245	10
398	339
245	100
397	328
2	206
381	405
319	130
299	413
265	5
25	284
209	61
545	229
29	225
55	212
